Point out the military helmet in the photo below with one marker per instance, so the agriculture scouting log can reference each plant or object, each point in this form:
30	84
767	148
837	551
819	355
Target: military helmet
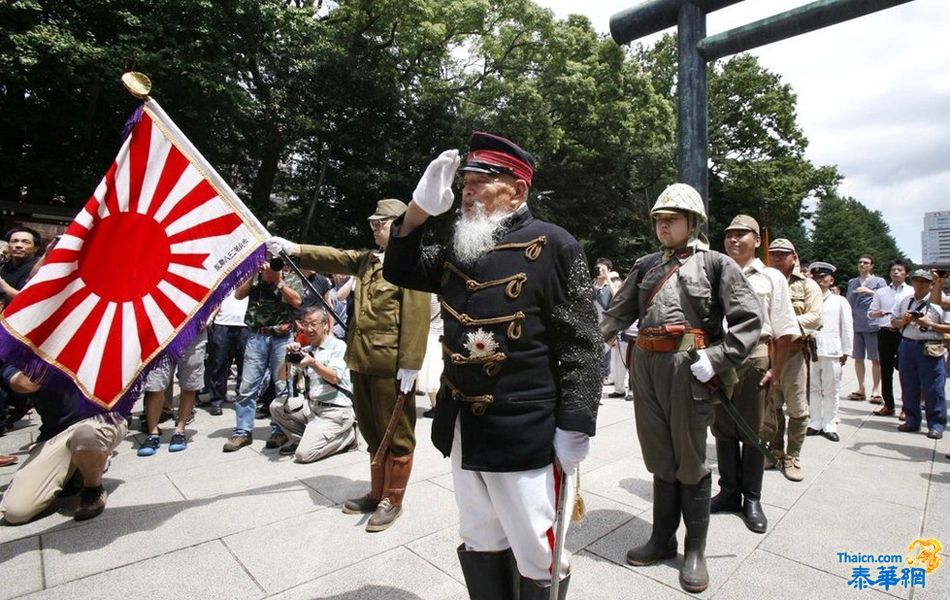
680	197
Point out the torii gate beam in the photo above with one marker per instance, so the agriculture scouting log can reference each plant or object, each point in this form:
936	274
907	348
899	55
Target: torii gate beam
695	49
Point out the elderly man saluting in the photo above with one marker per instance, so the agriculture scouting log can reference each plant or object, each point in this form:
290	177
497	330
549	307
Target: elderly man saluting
522	360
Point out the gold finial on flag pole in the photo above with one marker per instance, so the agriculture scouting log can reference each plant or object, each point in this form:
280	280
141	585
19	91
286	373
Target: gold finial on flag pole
138	84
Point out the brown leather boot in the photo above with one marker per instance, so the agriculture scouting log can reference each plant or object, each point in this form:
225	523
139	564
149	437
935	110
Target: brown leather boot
369	502
398	469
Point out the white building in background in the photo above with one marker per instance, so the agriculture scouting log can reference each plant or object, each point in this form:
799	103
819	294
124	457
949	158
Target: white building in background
935	238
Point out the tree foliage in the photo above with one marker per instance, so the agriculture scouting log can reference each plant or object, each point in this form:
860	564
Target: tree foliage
314	110
845	229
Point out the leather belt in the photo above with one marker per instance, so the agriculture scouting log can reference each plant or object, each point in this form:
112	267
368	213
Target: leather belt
479	403
274	330
671	338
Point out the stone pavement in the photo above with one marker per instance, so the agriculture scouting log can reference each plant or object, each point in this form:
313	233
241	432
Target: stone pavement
253	524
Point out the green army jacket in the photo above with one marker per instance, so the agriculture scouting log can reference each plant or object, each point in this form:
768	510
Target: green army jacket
390	325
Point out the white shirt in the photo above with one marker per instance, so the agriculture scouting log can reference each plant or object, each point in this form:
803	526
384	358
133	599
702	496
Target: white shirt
836	336
232	311
886	298
934	313
771	288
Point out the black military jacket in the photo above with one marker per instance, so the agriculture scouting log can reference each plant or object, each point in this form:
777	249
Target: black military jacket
521	347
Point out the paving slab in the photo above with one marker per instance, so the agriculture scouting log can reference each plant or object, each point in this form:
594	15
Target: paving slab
394	575
335	540
205	524
22	567
130	535
202	571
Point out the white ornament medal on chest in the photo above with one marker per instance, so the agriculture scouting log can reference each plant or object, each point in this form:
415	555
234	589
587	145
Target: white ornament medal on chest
480	343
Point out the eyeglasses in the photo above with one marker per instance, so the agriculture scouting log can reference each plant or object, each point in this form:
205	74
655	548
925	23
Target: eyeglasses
310	324
378	224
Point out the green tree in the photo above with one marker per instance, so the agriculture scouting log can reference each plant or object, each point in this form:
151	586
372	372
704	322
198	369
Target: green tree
844	229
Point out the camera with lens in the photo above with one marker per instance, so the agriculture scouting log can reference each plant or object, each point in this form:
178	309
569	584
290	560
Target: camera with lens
943	273
276	264
295	357
915	314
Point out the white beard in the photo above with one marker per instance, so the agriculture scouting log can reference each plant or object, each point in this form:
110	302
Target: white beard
475	235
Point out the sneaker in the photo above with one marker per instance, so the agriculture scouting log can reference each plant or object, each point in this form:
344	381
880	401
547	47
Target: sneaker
92	501
276	440
236	442
934	434
792	468
149	446
288	448
215	410
385	515
178	442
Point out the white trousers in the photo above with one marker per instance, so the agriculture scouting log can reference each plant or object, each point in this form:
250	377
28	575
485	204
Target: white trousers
825	391
618	369
510	510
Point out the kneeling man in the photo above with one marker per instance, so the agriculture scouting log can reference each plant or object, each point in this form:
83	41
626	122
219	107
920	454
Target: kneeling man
68	446
322	424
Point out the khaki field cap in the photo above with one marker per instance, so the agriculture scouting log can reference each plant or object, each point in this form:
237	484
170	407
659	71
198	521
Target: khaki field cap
388	209
744	222
922	274
782	245
679	197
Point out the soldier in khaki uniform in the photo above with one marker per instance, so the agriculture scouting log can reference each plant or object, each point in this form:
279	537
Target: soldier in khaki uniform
384	350
793	383
680	295
741	465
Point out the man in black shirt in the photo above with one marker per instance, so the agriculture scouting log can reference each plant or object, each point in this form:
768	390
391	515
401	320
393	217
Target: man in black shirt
24	245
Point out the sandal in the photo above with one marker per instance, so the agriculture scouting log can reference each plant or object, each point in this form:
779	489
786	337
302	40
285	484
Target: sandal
877	399
856	396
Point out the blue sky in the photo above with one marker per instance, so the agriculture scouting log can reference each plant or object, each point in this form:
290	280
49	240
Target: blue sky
873	99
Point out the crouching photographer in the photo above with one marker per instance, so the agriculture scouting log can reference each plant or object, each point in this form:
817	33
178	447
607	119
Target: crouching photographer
323	423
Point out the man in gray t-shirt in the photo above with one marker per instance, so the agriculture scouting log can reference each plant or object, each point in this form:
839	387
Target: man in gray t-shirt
860	293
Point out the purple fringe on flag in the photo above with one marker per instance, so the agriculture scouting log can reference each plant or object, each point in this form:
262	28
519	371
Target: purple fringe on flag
19	354
132	122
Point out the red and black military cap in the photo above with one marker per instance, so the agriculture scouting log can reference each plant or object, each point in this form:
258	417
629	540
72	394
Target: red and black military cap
489	153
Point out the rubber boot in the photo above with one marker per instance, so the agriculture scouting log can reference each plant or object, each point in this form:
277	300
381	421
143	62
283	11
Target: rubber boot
753	468
535	590
695	502
489	575
398	469
666	520
368	502
729	499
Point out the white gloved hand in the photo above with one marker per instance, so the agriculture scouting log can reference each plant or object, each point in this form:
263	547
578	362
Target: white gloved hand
433	194
406	377
570	447
702	369
276	244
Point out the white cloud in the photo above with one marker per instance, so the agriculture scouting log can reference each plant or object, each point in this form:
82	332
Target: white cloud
873	99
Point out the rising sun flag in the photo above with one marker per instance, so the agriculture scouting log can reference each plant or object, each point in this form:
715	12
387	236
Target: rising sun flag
158	246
